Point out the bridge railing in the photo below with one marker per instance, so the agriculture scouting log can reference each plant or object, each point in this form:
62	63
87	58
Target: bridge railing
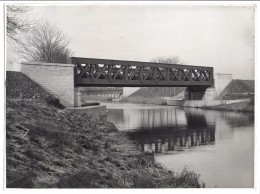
103	72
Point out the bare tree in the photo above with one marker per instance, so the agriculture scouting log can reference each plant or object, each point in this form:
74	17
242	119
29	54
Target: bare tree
46	43
15	23
169	60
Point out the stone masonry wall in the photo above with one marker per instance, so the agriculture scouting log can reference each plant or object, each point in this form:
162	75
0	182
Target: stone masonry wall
57	79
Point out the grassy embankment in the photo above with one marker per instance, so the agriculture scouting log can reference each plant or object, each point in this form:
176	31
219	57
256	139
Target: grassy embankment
237	89
234	107
47	146
152	95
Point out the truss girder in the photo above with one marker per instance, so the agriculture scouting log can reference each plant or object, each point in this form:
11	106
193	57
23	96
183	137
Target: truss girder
102	72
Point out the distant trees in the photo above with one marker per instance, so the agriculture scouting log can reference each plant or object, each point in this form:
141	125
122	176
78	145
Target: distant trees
169	60
45	43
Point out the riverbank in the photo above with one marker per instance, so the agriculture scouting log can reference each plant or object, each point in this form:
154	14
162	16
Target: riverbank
244	106
48	146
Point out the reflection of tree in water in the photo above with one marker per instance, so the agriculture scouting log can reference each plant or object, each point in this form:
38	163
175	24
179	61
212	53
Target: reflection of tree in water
238	119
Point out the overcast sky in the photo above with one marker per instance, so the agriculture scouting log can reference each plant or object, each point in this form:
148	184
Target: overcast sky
217	36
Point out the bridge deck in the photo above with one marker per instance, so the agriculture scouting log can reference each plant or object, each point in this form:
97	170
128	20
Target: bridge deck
116	73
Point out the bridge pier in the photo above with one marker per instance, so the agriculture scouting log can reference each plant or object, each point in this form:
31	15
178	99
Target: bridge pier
187	94
195	93
210	93
200	93
77	97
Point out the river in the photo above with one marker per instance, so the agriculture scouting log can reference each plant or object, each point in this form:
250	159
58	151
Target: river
217	145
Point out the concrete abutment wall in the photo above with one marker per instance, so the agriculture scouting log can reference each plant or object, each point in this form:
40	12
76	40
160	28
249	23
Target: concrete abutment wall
221	81
211	93
57	79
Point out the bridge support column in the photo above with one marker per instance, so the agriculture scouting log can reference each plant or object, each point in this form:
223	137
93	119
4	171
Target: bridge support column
194	93
210	94
187	94
197	95
77	97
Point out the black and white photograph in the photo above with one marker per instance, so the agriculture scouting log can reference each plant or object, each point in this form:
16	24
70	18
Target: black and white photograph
130	95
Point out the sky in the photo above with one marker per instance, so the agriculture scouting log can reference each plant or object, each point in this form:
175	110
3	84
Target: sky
218	36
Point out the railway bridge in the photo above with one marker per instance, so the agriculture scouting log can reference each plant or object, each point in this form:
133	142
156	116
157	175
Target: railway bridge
65	80
118	73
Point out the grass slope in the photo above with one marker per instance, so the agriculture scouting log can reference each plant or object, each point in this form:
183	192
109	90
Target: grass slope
246	106
48	147
237	89
152	95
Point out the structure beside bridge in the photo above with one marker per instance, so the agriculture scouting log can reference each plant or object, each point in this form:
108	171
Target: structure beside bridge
101	93
56	79
65	81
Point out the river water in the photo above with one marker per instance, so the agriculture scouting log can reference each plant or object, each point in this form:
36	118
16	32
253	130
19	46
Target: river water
217	145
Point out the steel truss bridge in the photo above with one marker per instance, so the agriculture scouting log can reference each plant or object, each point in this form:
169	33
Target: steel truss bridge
117	73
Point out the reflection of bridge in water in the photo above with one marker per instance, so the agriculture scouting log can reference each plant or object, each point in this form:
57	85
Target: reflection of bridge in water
153	118
162	131
173	140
